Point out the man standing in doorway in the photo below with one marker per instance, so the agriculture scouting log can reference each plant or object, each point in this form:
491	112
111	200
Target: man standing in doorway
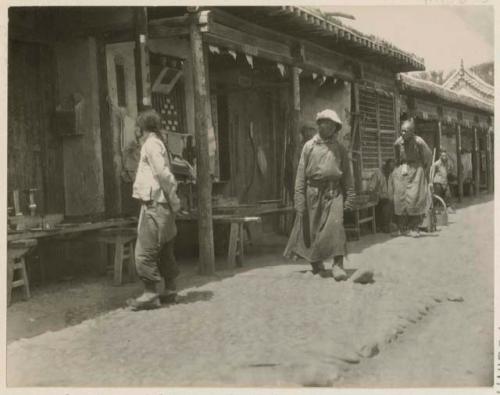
323	179
408	187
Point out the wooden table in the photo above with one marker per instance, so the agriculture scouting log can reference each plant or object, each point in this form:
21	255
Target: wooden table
71	228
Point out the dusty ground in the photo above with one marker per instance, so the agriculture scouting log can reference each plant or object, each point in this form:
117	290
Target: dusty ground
273	323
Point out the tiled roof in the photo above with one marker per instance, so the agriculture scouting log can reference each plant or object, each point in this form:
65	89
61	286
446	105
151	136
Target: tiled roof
412	84
311	24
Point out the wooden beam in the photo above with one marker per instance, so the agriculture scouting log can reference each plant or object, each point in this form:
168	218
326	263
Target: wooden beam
458	136
275	46
169	27
251	44
111	175
202	118
224	18
143	82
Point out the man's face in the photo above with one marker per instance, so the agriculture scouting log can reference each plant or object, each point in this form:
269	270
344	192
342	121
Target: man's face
443	156
308	133
327	128
407	131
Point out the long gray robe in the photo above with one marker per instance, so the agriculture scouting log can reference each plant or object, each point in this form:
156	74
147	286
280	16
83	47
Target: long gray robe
410	191
323	178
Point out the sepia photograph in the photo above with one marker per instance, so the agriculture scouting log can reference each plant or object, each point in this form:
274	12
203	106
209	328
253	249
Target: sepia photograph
250	196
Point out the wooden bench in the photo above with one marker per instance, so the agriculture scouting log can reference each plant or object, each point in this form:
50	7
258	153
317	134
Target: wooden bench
16	263
121	243
358	220
235	252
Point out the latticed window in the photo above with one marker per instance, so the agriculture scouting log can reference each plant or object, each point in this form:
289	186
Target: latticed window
378	127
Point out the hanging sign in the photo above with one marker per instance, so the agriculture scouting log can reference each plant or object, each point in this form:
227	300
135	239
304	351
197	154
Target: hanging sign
232	53
323	80
314	75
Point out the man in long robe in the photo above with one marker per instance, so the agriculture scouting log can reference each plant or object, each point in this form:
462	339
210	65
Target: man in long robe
408	186
323	179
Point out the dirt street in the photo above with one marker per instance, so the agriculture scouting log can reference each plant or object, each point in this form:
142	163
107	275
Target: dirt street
426	320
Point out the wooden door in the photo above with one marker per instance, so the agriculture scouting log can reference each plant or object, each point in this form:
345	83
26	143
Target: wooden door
378	128
34	150
252	146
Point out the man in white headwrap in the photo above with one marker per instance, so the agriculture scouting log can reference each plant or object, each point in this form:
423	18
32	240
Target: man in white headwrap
323	180
408	184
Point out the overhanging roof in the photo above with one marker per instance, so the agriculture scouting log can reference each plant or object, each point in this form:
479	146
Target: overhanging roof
429	88
308	23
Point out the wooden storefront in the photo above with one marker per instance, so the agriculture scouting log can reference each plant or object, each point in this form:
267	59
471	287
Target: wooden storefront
233	86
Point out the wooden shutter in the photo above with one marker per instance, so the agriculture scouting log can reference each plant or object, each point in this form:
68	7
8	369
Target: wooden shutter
378	131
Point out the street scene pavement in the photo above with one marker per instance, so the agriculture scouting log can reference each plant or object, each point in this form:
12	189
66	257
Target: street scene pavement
425	320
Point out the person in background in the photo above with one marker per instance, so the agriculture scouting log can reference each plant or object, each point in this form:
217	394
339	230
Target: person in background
156	189
308	131
408	186
378	189
323	179
441	169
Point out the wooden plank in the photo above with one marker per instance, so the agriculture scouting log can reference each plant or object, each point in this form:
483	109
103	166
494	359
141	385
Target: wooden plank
224	18
160	31
71	229
202	119
251	44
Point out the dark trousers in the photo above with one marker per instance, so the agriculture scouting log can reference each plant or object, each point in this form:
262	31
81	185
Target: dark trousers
409	222
168	267
154	250
383	215
443	191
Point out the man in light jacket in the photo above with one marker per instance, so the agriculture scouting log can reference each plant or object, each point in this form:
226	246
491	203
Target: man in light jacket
156	188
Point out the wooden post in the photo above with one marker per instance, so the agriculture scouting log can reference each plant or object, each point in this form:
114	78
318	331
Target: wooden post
477	175
439	136
142	77
489	161
203	179
294	130
111	155
459	164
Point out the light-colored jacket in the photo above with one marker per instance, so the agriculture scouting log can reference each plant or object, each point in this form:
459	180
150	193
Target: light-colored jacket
154	181
378	184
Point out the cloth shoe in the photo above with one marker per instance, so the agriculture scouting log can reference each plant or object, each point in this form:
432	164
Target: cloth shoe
317	267
338	273
169	295
415	233
147	301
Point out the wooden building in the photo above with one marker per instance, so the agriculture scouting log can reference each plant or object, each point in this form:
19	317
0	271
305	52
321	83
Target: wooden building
459	123
233	86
